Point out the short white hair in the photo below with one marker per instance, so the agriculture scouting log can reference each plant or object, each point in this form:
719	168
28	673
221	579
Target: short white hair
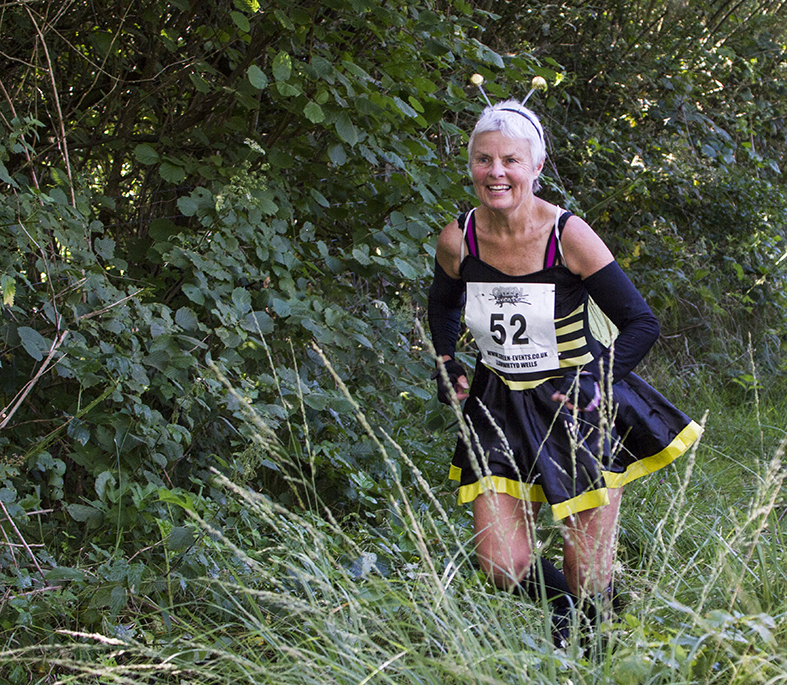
513	120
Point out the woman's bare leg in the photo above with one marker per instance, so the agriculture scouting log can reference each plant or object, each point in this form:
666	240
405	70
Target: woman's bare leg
590	538
504	528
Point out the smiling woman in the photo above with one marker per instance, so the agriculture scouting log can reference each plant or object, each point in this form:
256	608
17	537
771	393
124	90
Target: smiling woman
503	170
539	429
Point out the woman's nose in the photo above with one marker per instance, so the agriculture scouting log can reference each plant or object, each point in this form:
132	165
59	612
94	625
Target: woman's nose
497	168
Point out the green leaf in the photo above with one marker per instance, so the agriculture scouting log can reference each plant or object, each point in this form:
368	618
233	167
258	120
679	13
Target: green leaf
346	129
281	159
194	293
101	597
241	299
258	322
405	269
160	230
282	66
63	573
363	340
117	600
187	319
105	478
257	77
34	343
172	173
199	83
241	21
180	499
323	68
337	155
361	255
266	203
314	112
284	20
180	538
406	109
104	247
85	514
281	307
146	154
356	71
8	286
78	431
187	206
5	177
288	90
319	197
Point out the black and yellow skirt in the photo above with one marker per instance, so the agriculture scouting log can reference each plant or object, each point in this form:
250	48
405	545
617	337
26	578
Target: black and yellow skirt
526	445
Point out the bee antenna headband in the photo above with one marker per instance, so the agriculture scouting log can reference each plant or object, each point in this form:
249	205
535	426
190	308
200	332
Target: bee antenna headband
538	83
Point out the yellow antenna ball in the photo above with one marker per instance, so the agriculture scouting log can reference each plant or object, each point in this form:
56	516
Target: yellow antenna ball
477	79
539	83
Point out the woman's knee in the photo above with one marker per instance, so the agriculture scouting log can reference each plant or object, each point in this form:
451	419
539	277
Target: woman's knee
504	567
586	576
504	532
590	539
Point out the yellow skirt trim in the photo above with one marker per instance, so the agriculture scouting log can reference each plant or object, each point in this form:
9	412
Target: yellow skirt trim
587	500
670	453
502	486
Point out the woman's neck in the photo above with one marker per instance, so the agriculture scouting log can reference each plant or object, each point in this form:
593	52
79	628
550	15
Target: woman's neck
527	217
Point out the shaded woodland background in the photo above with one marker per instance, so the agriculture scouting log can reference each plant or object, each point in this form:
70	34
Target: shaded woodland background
195	193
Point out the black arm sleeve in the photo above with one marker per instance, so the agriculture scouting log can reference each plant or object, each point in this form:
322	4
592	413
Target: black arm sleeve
446	299
617	297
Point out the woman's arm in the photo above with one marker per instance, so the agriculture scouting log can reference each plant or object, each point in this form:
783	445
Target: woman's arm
587	255
446	299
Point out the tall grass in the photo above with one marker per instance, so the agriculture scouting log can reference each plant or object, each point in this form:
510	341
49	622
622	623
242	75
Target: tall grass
701	558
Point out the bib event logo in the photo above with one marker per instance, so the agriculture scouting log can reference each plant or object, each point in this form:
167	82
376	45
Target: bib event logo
508	295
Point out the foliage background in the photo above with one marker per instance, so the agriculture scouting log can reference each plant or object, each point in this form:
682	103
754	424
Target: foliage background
194	193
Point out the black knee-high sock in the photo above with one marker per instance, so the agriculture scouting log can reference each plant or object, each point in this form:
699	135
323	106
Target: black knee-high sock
603	606
543	571
557	593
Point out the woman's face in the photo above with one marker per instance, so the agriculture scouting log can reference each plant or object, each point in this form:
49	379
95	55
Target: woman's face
502	171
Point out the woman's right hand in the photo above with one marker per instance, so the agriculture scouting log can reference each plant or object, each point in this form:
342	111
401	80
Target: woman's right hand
457	377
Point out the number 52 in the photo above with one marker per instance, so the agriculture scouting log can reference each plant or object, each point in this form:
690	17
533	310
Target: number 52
499	332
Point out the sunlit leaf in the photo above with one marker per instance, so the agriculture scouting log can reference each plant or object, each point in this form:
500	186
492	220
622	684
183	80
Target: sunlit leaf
282	66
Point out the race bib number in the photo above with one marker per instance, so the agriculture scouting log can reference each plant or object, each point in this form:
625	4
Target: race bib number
514	325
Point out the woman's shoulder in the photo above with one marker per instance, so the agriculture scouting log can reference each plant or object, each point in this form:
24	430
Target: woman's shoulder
449	248
584	250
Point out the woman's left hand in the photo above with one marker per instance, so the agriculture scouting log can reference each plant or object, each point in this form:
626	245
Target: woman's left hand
582	387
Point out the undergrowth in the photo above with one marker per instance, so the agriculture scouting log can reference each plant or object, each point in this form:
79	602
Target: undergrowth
291	594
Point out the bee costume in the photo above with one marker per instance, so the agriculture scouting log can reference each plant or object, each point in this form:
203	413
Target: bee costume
533	333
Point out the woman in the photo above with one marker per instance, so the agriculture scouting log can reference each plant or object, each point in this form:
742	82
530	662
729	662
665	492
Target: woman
536	411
